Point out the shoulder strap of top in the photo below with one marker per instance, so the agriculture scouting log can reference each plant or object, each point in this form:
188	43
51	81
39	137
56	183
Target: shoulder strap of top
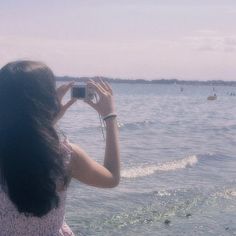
67	150
65	145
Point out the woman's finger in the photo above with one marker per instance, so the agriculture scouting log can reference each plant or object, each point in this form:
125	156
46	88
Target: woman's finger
63	89
102	83
60	91
97	82
109	87
68	86
69	103
93	105
63	109
102	88
96	87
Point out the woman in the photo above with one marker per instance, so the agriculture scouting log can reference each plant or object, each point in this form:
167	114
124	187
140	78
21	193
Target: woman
35	166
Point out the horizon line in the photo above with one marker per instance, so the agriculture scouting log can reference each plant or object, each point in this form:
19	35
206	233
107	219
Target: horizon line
153	81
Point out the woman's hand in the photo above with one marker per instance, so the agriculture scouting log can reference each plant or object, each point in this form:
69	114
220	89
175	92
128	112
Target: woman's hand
105	104
61	91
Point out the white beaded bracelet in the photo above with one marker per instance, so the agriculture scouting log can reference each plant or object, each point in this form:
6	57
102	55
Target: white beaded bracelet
109	116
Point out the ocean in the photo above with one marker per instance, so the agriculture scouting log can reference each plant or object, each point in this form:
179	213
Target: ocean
178	157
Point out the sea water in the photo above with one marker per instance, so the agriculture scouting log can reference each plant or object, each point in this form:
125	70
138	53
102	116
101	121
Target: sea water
178	156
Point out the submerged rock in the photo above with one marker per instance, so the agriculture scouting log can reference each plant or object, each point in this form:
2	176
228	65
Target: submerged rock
167	222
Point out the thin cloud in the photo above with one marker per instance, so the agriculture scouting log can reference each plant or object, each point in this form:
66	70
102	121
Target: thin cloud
206	48
211	41
230	49
230	41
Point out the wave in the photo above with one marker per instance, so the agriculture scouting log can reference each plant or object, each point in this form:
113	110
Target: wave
228	193
128	126
136	125
142	171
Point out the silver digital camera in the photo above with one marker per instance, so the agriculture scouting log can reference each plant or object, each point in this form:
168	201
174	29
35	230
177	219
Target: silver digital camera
82	92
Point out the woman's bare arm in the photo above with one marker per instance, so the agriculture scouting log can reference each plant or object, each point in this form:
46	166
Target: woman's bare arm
90	172
83	167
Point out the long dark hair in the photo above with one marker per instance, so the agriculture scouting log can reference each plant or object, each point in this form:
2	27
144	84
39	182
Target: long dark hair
30	156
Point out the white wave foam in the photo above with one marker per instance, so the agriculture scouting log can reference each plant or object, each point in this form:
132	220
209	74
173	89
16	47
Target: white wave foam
228	193
233	193
141	171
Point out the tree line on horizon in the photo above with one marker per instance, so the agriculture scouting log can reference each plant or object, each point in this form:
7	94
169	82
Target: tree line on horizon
143	81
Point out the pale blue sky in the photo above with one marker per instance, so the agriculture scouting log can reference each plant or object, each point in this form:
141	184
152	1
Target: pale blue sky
124	38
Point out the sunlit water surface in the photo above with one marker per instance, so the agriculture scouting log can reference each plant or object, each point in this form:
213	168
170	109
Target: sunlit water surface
178	163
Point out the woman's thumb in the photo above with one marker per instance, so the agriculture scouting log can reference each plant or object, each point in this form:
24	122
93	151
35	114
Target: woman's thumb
88	101
69	103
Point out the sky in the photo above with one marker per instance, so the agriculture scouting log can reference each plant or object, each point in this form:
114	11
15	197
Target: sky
130	39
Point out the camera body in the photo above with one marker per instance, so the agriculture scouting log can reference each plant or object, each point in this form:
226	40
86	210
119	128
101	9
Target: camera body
82	92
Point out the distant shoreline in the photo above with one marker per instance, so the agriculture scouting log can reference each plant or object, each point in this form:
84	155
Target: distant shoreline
142	81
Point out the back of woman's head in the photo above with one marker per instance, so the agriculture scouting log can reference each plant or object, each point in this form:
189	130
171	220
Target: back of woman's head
30	160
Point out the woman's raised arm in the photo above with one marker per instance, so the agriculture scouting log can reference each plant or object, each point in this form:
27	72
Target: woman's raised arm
83	167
